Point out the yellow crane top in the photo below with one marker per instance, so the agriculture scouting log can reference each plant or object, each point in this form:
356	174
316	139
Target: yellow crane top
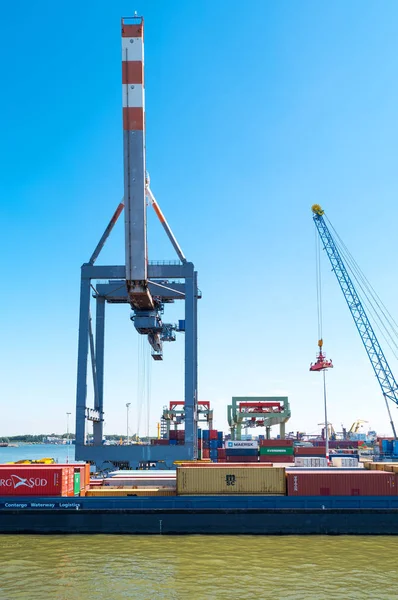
317	209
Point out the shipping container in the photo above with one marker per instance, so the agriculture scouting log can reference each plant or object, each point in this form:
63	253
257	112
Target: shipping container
207	465
244	458
39	480
344	461
241	444
232	480
275	443
205	434
309	451
213	434
281	458
311	462
76	484
278	450
206	453
341	483
82	468
110	492
213	444
241	452
221	453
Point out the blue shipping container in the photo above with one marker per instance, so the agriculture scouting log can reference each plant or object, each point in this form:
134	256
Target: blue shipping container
387	446
241	452
213	443
395	448
173	442
219	443
220	435
213	453
206	434
206	444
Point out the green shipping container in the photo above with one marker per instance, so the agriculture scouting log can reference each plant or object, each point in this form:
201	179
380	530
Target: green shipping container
275	450
76	484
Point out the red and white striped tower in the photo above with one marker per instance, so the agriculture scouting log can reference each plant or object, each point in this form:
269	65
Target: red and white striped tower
134	160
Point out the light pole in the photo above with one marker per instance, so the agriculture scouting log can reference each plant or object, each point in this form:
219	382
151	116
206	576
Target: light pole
128	406
67	434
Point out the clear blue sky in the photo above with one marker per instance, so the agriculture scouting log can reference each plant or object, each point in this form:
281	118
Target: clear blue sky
254	112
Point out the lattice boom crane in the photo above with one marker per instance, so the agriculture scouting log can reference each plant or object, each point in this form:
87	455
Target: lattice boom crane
385	377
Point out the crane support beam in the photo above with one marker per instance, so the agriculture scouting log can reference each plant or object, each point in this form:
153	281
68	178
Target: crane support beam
374	351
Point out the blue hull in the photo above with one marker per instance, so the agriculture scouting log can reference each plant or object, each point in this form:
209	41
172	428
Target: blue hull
366	515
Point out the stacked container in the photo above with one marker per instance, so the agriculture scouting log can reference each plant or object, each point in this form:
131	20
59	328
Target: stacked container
276	451
230	480
341	483
237	451
36	480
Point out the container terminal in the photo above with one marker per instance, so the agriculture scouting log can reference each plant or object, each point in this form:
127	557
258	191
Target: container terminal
193	478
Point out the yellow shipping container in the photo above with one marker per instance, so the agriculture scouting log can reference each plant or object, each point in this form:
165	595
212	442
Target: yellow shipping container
366	465
109	492
235	480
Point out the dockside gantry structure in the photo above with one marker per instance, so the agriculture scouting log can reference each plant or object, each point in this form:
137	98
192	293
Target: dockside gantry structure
254	411
146	286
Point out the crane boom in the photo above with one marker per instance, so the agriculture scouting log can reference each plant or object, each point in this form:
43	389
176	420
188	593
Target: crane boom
375	353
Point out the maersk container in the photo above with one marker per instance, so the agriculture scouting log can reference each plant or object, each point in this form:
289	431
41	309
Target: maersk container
341	483
233	444
241	452
233	480
46	480
278	450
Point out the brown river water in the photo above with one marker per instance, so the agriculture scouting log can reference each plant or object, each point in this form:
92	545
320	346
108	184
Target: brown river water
112	567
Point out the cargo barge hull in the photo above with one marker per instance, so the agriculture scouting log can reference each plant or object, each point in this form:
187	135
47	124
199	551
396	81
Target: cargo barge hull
212	515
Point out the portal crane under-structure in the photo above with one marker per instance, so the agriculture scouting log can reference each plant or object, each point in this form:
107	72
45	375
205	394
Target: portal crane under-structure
263	411
146	286
174	415
384	375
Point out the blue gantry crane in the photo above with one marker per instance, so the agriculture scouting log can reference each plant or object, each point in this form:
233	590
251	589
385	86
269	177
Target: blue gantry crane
146	286
384	375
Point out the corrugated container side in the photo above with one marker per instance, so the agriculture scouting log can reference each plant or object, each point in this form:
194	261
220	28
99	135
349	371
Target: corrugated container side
284	458
341	483
251	465
41	480
309	451
278	450
108	492
241	452
232	480
232	459
275	443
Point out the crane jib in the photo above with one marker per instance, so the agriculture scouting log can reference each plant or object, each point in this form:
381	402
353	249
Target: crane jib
374	351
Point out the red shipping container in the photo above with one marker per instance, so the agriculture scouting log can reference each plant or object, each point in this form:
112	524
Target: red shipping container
276	458
309	451
242	459
221	452
199	444
341	483
39	480
82	468
205	453
276	443
172	434
213	434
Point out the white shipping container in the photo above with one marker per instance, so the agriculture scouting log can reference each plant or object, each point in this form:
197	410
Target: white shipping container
345	461
310	462
241	444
